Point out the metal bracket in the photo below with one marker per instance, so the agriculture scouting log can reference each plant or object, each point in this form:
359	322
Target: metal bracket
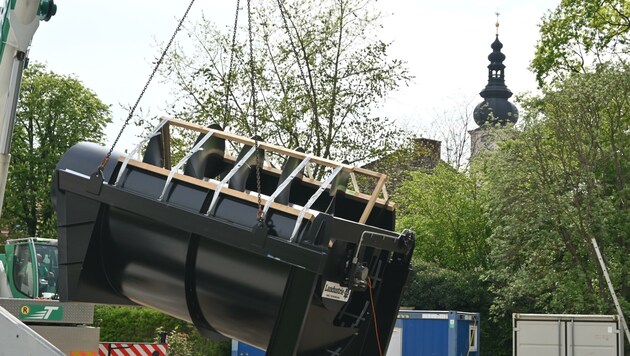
96	182
137	148
312	200
217	191
184	159
284	184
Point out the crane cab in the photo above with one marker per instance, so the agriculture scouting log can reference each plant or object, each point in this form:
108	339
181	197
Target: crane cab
30	268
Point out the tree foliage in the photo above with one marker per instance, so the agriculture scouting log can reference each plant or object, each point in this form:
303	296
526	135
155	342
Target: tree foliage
452	127
319	73
535	202
132	324
580	33
446	212
135	324
54	113
513	234
559	184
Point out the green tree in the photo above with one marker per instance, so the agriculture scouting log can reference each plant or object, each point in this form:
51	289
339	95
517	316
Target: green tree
136	324
183	342
54	113
448	212
132	324
580	33
319	73
561	182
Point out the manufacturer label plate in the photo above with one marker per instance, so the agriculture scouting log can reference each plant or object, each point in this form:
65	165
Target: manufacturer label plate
335	291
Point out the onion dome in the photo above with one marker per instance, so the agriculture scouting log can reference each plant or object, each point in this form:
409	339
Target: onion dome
495	109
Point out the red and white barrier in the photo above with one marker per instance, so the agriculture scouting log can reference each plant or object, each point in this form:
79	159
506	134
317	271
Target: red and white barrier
132	349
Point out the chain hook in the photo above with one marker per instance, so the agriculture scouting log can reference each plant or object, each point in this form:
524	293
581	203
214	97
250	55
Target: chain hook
260	215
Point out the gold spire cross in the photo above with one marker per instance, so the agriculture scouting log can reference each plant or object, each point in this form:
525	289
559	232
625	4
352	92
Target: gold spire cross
497	24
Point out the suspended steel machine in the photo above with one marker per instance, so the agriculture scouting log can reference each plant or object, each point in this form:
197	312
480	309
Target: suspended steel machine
320	272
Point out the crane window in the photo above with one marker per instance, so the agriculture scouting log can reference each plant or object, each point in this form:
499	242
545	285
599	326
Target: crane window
46	268
23	270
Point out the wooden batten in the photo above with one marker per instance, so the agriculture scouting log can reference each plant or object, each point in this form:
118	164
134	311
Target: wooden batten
274	148
371	200
212	185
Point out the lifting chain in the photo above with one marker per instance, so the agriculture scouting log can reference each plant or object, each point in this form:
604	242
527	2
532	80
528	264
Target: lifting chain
260	215
133	109
228	81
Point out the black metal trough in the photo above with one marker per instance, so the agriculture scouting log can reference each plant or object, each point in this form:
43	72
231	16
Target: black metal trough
323	273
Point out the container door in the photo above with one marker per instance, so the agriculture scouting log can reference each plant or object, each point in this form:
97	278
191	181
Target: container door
539	338
467	337
473	339
592	338
395	343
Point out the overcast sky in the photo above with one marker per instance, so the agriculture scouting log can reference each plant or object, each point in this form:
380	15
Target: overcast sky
108	45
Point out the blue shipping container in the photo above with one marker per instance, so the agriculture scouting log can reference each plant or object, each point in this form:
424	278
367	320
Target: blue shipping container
243	349
435	333
419	333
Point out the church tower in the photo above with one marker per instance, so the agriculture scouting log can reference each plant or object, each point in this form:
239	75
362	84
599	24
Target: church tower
495	111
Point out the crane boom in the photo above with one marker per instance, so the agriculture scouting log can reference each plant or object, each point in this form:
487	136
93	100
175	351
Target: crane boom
19	21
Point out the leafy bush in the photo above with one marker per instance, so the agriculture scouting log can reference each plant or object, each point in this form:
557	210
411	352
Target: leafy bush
135	324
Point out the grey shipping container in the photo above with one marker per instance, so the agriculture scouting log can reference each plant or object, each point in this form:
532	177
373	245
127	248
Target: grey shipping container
566	335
